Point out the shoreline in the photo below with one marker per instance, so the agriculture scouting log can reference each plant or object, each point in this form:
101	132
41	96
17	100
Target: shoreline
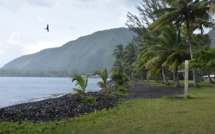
51	96
52	109
69	106
21	90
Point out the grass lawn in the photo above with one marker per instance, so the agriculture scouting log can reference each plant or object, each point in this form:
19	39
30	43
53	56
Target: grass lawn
165	115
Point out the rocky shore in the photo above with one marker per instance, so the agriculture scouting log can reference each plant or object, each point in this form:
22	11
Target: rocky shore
66	106
69	106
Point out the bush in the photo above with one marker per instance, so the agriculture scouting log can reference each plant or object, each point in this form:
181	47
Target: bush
89	100
121	92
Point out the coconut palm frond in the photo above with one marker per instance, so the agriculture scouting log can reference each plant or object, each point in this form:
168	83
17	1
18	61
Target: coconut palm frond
153	71
174	65
118	52
104	76
81	81
163	20
101	85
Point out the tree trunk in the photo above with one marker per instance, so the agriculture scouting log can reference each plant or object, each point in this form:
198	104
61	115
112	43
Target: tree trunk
177	77
209	77
141	74
195	75
165	81
173	75
191	52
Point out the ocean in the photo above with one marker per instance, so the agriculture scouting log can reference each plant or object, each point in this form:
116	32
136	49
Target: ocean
17	90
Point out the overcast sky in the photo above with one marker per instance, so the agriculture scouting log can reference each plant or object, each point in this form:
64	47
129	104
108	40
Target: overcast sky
23	22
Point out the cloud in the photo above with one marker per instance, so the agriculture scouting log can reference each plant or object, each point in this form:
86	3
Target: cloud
68	20
33	48
14	38
40	18
41	3
1	52
9	52
12	4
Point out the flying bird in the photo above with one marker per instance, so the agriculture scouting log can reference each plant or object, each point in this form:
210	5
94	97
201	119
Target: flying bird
47	28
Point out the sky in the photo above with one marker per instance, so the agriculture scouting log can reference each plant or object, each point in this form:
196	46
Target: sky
23	22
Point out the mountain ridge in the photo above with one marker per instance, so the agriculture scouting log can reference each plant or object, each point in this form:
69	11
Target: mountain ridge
86	54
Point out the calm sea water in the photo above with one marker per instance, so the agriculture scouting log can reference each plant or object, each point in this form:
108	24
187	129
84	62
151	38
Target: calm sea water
16	90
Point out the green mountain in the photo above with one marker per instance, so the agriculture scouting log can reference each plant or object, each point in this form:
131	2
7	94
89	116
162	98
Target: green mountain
84	55
212	36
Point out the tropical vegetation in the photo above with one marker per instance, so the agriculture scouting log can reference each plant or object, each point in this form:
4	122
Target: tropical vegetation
103	84
168	33
204	60
82	82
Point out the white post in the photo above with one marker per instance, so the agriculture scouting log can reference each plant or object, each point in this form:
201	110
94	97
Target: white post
186	80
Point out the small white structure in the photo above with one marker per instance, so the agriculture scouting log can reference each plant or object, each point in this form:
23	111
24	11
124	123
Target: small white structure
206	77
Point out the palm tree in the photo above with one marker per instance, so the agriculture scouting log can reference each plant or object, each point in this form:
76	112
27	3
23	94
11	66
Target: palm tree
173	46
118	55
118	52
120	78
130	53
81	82
103	84
164	49
139	68
148	58
129	57
182	12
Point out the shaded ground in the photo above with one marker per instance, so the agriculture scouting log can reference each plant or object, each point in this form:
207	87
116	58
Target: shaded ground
138	91
72	106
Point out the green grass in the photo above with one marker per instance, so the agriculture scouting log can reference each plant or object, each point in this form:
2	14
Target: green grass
165	115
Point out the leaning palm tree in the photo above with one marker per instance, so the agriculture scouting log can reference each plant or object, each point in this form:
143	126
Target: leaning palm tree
149	57
130	53
118	55
82	83
104	76
129	56
165	49
174	48
118	52
182	12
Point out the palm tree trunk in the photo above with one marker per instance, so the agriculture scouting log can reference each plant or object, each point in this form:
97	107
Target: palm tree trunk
191	53
165	81
177	77
173	75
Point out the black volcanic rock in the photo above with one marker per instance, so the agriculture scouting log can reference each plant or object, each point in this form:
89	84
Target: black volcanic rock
56	108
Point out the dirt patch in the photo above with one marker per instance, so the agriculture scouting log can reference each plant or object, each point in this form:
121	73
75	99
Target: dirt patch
138	91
